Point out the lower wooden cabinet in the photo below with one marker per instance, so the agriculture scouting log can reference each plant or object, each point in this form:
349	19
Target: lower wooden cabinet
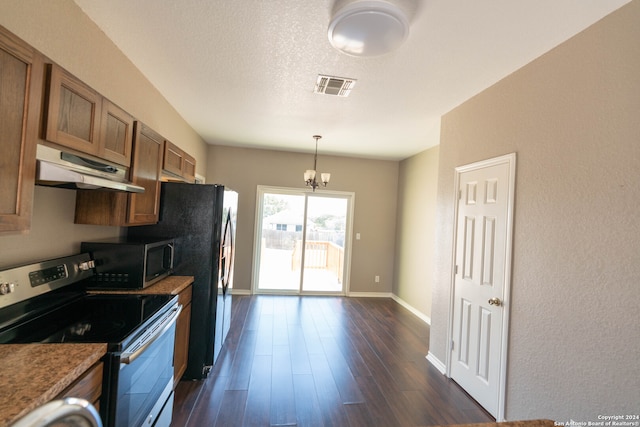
88	386
183	328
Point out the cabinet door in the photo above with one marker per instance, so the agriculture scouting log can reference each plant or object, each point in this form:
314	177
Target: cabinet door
145	172
21	80
189	168
173	157
73	112
181	351
179	163
115	134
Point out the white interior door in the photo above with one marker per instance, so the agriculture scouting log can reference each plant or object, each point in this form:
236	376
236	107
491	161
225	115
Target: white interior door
482	275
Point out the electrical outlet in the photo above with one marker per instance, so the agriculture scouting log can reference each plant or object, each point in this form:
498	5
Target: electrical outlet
376	279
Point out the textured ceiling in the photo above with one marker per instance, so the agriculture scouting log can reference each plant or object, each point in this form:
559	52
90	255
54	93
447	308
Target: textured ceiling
242	72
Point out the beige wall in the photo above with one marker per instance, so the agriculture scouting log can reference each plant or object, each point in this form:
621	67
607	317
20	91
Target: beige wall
374	183
573	117
415	232
60	30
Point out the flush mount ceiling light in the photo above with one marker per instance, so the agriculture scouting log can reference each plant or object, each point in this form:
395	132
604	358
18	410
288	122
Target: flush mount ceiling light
368	28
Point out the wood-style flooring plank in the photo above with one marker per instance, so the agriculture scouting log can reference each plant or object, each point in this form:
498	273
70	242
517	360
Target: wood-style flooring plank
185	398
307	406
381	413
358	414
329	399
234	403
240	371
259	394
342	375
283	408
208	404
300	364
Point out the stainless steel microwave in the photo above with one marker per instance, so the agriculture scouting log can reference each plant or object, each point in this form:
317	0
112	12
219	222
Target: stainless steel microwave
124	263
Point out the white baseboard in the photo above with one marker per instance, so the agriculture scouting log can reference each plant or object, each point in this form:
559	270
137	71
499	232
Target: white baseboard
426	319
235	291
437	363
370	294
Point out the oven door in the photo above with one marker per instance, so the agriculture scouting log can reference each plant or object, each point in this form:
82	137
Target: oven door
141	377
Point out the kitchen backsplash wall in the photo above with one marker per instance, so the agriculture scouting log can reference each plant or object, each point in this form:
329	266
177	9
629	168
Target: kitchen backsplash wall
53	232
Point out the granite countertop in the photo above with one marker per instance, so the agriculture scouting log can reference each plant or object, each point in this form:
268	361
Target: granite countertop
34	374
171	285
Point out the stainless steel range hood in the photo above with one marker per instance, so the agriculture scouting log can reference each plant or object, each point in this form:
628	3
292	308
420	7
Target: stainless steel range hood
55	168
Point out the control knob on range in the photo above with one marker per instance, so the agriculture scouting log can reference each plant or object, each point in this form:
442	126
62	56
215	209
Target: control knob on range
7	288
87	265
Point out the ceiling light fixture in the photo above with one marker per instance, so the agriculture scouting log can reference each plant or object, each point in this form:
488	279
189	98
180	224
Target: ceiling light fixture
368	28
310	174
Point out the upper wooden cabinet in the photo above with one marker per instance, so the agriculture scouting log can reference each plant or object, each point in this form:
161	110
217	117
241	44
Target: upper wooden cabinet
178	163
21	84
145	172
126	209
116	134
78	117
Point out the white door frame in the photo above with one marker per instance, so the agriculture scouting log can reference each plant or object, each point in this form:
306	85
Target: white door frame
348	195
511	160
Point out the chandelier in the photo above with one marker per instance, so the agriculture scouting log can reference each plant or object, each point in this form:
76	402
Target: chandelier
310	174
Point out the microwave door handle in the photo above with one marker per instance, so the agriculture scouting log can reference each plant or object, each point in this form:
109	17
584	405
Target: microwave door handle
172	249
129	357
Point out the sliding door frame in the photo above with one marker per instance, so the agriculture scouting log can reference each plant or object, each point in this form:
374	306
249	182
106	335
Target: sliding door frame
348	240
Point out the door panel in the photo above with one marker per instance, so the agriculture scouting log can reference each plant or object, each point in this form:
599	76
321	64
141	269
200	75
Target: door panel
465	332
324	244
469	245
280	241
482	260
488	250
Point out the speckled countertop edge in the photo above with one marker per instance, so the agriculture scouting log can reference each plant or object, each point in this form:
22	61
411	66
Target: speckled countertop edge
34	374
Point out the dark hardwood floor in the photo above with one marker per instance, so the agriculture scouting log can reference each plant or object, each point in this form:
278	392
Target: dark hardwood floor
324	361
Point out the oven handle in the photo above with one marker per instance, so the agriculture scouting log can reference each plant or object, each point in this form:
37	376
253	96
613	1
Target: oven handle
129	357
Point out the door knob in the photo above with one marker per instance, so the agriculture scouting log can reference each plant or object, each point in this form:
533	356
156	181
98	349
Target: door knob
495	301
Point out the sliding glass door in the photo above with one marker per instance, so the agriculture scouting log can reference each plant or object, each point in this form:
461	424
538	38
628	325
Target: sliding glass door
302	241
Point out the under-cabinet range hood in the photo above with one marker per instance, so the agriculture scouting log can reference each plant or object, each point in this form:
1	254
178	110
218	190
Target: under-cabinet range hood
55	168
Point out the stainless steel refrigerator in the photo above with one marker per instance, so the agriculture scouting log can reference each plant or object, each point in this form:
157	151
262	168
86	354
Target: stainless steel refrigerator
202	220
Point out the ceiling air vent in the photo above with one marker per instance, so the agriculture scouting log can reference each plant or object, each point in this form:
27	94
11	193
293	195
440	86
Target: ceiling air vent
334	85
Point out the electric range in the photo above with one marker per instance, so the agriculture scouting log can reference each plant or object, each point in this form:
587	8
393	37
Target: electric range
46	302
